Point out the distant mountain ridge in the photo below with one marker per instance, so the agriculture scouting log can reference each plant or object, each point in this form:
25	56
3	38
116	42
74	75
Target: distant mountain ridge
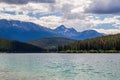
27	31
73	34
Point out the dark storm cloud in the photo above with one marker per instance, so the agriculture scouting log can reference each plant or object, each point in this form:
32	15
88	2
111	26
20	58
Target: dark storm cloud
26	1
104	7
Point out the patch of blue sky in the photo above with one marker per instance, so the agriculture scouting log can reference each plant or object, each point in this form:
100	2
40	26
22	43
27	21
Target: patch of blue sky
39	15
9	12
101	16
105	26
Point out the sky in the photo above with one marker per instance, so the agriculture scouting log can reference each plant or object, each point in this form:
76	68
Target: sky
100	15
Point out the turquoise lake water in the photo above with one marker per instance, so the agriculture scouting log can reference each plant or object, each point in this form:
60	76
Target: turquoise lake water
59	67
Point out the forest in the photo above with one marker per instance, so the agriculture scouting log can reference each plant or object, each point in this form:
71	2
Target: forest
105	44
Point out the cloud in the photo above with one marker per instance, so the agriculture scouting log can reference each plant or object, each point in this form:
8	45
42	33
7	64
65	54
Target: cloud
113	21
109	31
71	9
46	21
30	7
79	14
108	25
104	7
49	20
26	1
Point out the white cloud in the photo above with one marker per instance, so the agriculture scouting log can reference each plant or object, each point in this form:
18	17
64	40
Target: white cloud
30	7
71	7
113	20
109	31
50	21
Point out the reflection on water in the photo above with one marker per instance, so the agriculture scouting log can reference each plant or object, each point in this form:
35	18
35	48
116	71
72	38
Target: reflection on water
59	67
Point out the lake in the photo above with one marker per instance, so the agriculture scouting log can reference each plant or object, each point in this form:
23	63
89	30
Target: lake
59	66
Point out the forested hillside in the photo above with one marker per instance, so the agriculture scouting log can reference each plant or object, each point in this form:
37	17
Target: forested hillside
10	46
50	43
102	44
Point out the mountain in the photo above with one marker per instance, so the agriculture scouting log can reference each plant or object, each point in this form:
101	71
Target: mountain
28	31
73	34
67	32
24	31
49	43
11	46
88	34
103	44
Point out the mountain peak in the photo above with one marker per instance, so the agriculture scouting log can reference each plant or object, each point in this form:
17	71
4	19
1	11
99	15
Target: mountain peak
68	32
61	27
64	29
87	34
